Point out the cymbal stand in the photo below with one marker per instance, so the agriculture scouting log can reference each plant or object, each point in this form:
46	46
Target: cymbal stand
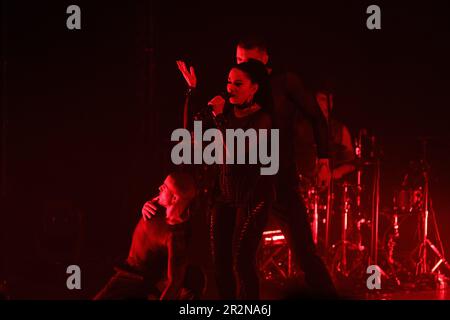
422	267
375	215
313	194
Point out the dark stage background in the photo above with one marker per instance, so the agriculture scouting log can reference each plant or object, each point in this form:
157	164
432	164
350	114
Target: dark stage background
87	115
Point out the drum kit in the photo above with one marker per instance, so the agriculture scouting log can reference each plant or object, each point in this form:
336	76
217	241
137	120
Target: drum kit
352	233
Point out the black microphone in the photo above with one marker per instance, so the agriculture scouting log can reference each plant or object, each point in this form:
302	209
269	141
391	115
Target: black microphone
207	111
224	94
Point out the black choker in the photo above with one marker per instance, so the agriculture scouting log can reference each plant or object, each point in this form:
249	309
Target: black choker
245	105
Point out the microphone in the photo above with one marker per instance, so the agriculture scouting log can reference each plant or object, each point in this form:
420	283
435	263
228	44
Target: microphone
207	111
223	94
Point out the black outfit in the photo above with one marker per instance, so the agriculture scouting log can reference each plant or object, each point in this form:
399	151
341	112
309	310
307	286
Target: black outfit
291	100
158	252
239	216
305	152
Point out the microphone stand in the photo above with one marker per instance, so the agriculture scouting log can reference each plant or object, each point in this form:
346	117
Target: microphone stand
375	210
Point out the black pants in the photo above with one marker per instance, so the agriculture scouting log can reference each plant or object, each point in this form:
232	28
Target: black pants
235	235
291	214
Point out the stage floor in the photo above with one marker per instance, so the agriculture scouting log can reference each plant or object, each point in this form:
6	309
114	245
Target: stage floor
435	294
296	289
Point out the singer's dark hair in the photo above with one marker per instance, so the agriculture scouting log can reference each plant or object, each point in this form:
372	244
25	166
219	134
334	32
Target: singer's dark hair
257	72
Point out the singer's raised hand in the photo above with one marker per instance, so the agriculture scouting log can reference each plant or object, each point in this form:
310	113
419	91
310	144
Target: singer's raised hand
189	75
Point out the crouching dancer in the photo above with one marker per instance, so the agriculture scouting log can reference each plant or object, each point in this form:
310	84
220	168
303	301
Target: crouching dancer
157	263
